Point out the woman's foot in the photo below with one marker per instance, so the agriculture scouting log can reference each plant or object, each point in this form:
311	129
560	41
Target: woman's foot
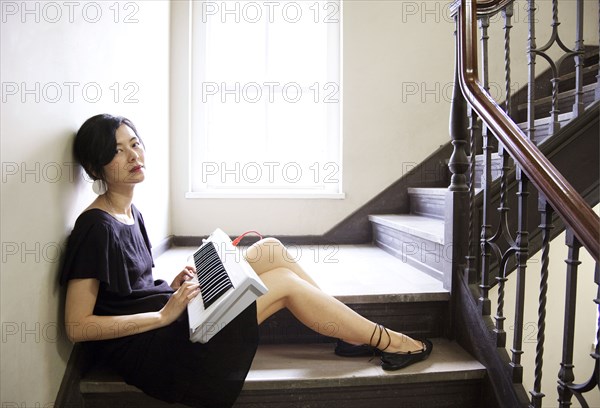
344	349
400	344
396	361
400	351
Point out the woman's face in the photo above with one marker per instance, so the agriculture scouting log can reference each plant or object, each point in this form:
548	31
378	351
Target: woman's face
127	167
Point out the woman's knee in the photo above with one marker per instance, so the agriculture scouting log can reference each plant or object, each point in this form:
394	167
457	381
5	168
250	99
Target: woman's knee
266	242
266	250
269	246
269	241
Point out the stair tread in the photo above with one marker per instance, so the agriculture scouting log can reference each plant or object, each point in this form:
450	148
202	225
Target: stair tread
422	226
315	365
303	366
351	273
563	117
562	95
434	191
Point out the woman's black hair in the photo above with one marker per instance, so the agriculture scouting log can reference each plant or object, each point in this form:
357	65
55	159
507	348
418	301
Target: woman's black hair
96	143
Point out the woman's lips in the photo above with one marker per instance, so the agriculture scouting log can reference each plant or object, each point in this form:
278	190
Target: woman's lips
136	169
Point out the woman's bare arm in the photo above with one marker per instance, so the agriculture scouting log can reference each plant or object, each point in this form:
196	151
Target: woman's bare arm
82	325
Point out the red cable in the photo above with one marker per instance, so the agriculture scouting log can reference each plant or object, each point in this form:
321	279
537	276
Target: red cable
236	241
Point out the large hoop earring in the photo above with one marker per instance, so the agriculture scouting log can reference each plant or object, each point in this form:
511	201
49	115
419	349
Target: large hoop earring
99	186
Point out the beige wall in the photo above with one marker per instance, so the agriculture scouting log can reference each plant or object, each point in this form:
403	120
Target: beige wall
41	195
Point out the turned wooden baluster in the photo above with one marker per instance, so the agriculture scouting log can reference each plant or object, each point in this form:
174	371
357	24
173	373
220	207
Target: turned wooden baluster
458	163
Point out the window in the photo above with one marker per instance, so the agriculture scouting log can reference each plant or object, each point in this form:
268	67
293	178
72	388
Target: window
266	99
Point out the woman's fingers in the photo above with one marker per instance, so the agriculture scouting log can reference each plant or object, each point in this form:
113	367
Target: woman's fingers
187	286
187	273
188	290
194	293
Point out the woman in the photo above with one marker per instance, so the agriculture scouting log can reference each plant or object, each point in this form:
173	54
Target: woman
140	326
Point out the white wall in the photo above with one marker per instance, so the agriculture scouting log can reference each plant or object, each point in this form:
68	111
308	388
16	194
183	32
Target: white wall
41	195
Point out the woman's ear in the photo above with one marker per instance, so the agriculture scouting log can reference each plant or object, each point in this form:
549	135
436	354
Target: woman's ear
94	175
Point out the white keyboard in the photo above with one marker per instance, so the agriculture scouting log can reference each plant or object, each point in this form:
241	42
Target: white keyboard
228	285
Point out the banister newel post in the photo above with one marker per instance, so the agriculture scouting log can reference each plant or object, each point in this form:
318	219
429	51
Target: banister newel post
457	196
458	163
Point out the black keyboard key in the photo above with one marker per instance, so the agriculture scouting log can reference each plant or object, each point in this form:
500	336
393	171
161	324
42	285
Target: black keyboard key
212	276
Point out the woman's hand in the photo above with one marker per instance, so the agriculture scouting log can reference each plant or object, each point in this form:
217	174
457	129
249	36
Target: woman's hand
185	275
178	301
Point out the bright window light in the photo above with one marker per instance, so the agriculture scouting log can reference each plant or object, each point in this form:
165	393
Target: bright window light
266	99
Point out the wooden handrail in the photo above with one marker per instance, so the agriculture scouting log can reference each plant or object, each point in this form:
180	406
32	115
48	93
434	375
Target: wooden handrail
565	200
484	8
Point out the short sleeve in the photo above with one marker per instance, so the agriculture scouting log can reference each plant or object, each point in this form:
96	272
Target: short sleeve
142	225
93	252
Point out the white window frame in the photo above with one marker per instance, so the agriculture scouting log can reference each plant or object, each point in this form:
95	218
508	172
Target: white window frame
324	172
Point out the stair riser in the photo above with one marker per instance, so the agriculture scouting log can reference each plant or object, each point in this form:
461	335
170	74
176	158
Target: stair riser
125	400
413	318
542	131
479	168
463	394
429	205
425	255
439	394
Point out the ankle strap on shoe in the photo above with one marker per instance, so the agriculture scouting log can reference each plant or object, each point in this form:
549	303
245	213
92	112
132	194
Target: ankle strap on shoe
381	330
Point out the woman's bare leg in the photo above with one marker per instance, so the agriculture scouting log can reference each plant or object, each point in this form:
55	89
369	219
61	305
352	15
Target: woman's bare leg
323	313
269	253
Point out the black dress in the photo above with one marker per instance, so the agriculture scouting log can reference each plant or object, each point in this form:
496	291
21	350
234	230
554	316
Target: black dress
163	362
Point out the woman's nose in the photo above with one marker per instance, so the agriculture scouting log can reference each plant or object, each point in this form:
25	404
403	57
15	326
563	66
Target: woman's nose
133	155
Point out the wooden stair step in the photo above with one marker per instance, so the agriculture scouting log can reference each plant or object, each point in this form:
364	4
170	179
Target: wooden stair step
589	73
425	227
542	126
414	239
313	375
565	98
430	201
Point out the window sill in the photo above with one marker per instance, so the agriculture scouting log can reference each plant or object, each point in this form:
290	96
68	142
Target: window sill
266	194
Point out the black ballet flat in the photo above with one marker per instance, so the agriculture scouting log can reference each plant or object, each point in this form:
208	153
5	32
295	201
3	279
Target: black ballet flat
396	361
344	349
